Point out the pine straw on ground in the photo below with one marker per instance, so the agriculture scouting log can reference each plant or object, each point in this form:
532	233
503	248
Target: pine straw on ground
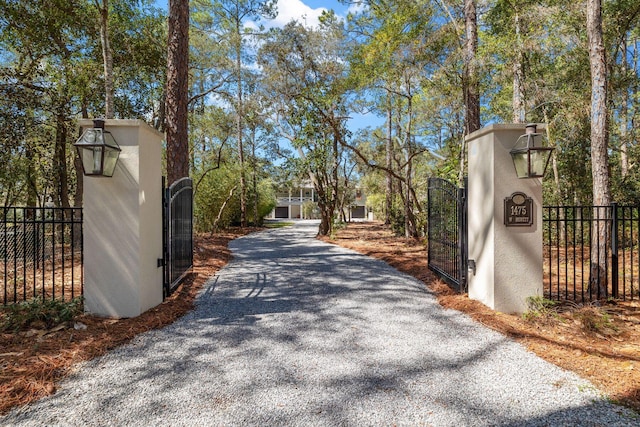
600	343
32	362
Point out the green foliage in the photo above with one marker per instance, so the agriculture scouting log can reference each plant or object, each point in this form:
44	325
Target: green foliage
50	70
310	210
306	73
214	189
212	192
336	226
266	201
596	321
403	58
397	221
40	312
540	309
376	202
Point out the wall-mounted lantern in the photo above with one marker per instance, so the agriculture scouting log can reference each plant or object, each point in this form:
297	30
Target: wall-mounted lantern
98	150
530	161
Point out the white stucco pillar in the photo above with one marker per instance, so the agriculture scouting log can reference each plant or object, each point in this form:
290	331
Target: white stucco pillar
123	225
508	259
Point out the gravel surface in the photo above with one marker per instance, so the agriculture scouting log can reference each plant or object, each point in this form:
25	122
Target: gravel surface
298	332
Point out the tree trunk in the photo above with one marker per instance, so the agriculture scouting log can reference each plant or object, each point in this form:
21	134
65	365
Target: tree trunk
107	58
470	80
343	208
214	228
32	185
624	118
239	115
61	160
177	91
409	218
325	223
161	120
410	229
556	179
389	164
519	112
254	167
599	146
470	86
334	178
325	211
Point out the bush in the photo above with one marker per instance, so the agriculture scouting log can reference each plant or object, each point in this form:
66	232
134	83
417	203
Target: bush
540	309
595	321
41	312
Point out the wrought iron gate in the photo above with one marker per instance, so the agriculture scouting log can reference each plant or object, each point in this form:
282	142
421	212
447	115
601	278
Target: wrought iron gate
178	232
447	232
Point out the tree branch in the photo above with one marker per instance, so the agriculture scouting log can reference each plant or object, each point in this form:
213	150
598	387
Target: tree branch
207	92
195	189
224	205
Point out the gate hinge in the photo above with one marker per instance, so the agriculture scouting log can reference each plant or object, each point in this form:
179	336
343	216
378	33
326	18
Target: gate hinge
160	262
472	266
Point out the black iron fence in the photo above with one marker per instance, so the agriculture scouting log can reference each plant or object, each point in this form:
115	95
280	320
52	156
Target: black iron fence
447	232
178	233
581	264
41	253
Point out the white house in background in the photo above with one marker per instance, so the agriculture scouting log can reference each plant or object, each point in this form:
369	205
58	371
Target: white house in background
290	202
358	208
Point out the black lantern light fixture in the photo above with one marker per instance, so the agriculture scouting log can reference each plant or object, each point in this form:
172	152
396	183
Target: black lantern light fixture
530	161
98	150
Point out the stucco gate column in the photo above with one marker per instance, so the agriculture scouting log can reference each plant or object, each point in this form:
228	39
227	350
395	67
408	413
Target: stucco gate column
123	225
508	259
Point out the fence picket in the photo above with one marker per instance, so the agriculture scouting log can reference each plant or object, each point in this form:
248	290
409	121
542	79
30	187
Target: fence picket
567	255
42	255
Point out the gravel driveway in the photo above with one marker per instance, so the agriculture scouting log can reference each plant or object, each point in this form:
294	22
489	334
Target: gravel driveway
298	332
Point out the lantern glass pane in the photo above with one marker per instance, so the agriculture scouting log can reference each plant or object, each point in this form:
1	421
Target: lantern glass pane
521	164
90	136
91	159
109	140
110	161
538	162
97	161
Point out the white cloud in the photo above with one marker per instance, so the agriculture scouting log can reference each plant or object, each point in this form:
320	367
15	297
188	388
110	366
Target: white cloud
289	10
357	7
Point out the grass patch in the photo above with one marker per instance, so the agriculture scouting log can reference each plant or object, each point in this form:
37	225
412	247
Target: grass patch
277	224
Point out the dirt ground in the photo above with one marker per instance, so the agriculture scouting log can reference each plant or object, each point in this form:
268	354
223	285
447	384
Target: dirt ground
599	343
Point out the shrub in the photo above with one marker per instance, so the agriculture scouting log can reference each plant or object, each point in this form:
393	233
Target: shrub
596	321
540	309
48	313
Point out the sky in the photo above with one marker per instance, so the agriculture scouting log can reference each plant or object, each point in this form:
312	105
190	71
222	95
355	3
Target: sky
308	12
296	9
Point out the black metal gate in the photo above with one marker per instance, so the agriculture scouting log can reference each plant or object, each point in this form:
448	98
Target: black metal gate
447	232
178	232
